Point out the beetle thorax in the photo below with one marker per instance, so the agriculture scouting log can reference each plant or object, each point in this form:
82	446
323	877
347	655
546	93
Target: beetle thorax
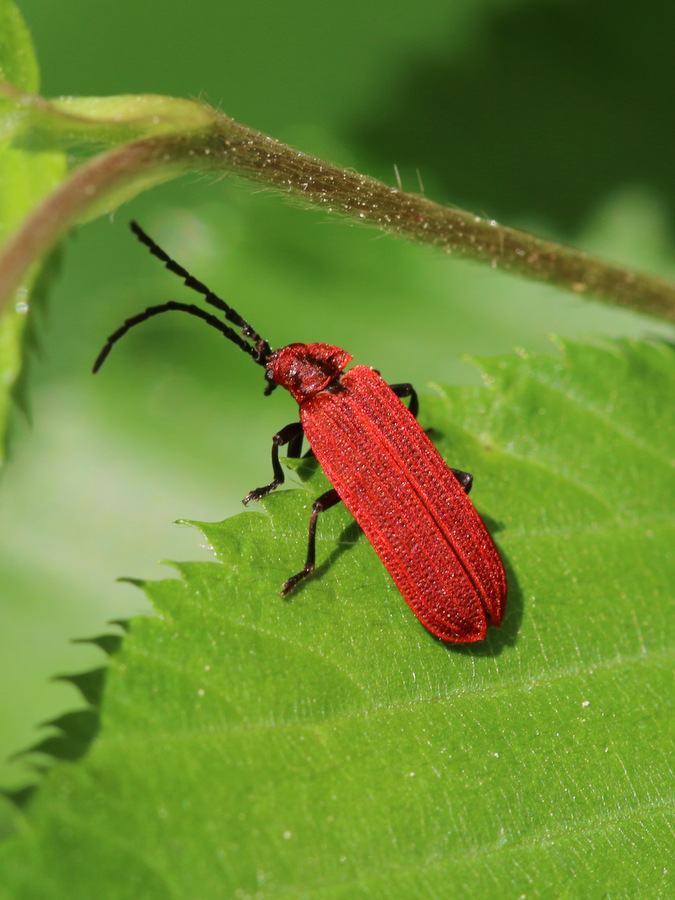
305	369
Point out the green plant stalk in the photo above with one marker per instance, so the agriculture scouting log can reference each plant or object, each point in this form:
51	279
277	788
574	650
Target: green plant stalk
190	137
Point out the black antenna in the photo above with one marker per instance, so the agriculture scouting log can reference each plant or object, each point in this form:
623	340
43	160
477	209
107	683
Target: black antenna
259	350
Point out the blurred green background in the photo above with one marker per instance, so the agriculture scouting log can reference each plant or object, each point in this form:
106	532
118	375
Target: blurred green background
550	115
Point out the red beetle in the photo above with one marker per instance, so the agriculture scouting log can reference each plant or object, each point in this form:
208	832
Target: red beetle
413	508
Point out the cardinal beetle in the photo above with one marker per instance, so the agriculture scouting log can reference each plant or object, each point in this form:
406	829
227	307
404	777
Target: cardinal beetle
412	507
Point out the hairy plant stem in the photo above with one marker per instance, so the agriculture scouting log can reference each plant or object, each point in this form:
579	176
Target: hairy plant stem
226	147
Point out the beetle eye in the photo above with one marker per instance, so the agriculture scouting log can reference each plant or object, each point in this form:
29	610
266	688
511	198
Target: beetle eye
269	377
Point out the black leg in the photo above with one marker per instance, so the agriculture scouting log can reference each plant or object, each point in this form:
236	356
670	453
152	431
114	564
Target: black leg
407	390
295	448
295	445
325	501
464	479
291	434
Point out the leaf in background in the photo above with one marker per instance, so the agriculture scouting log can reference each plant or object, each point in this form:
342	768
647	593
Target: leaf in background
329	747
18	64
24	179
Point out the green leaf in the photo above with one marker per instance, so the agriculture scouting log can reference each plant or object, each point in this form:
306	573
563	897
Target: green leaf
24	179
18	64
327	746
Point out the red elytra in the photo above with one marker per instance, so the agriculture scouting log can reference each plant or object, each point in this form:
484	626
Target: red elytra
399	489
411	506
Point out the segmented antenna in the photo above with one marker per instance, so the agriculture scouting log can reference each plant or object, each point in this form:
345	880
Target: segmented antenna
259	350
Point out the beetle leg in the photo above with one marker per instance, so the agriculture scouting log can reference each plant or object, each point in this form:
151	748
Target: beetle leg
324	502
291	434
407	390
464	478
295	448
295	445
